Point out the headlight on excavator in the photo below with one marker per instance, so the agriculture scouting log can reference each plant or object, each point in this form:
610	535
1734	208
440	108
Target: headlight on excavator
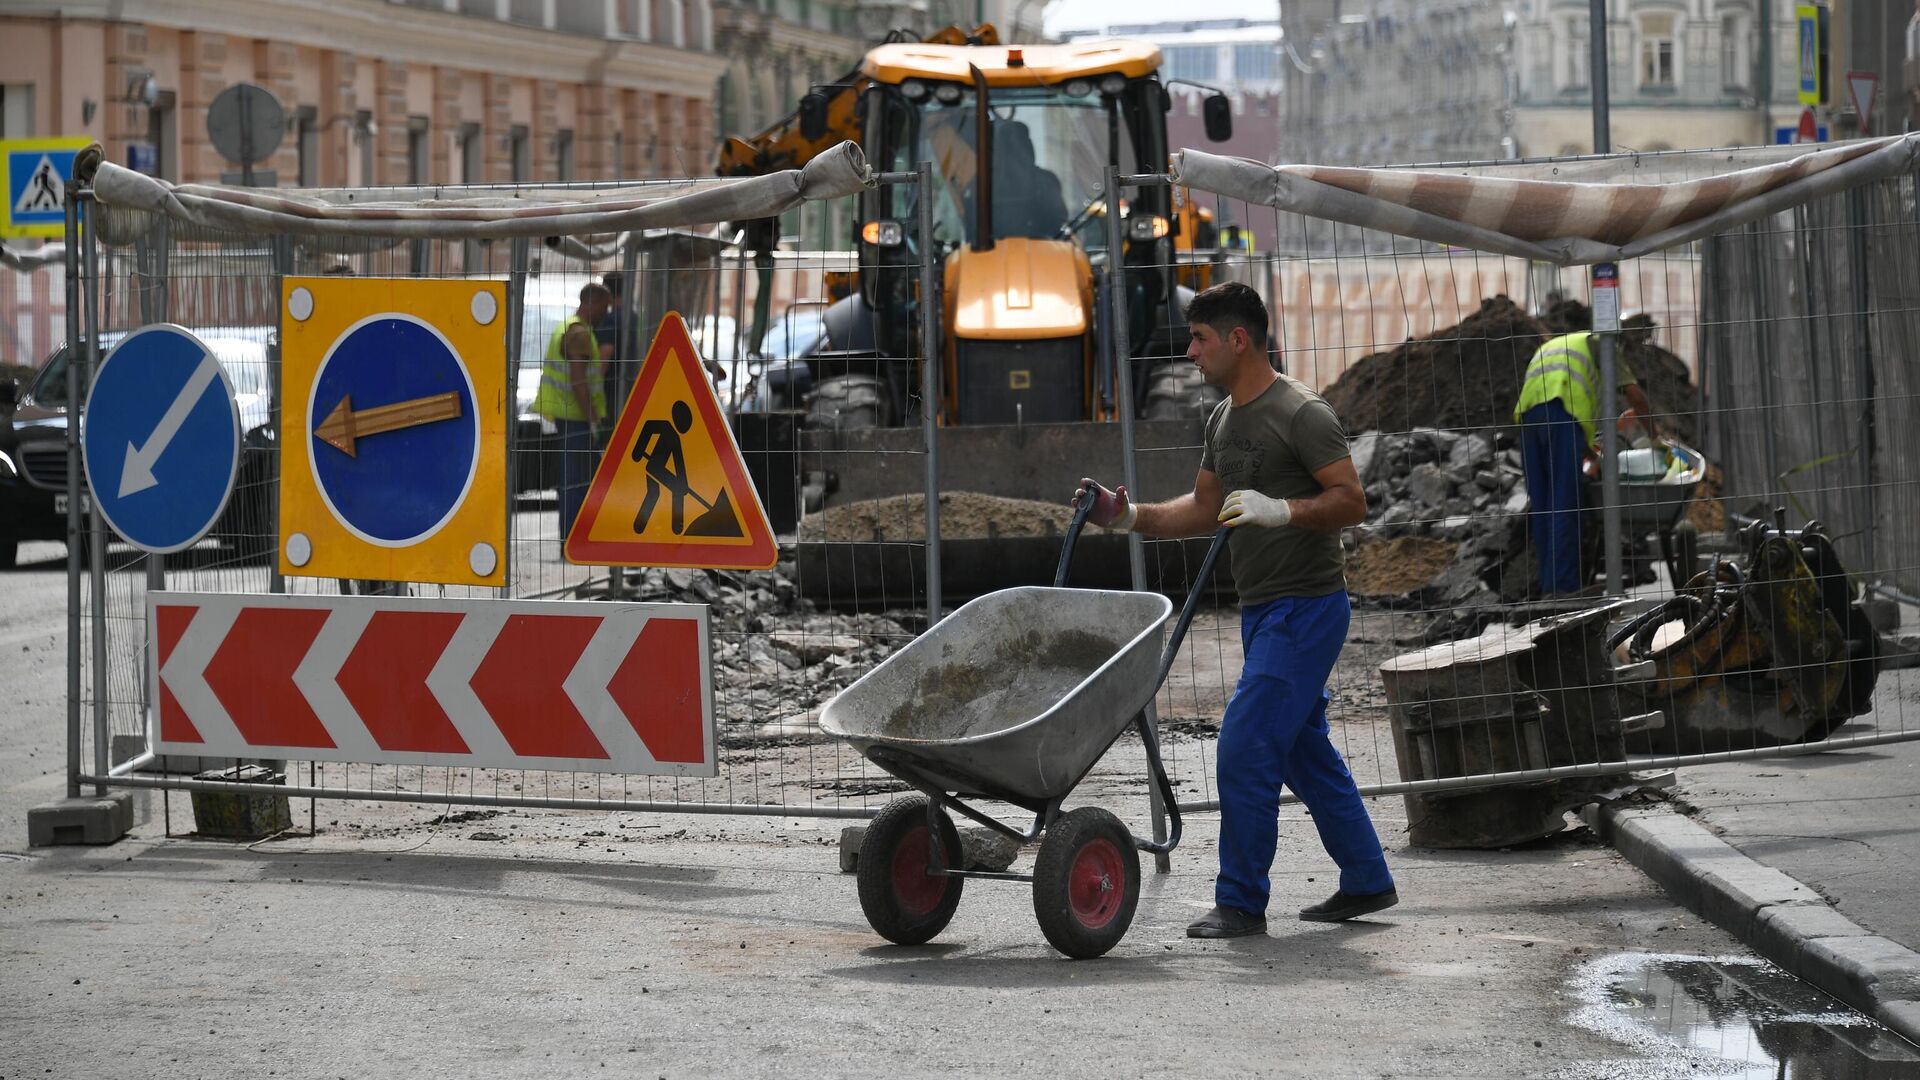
1147	227
1079	88
947	93
913	90
883	233
1111	85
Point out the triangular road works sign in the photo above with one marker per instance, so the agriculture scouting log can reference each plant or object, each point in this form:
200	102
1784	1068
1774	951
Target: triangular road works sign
671	489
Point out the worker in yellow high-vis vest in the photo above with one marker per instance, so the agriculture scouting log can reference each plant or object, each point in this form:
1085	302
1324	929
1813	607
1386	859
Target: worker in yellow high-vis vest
1558	407
572	395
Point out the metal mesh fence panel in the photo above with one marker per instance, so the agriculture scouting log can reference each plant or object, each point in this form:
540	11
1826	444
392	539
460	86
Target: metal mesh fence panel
1778	350
1781	350
783	641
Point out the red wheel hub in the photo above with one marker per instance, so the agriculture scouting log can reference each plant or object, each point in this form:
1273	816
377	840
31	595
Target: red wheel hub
1096	883
919	892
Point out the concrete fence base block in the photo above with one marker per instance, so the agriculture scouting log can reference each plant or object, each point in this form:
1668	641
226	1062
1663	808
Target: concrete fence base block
99	820
1780	918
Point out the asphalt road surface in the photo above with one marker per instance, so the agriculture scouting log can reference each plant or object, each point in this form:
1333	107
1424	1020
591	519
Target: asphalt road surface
400	942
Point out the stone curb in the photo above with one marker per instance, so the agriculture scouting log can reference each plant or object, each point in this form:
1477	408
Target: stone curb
1776	916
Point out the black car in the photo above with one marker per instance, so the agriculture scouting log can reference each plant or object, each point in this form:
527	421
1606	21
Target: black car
33	448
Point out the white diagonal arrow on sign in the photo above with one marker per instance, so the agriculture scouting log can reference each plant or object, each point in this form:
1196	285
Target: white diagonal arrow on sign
137	474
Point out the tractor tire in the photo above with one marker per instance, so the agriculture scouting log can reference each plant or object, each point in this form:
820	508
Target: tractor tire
1177	391
849	403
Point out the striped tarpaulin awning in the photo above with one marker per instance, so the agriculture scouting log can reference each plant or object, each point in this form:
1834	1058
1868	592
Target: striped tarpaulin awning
1554	221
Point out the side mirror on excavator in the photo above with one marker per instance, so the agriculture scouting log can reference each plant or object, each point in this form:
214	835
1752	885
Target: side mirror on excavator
1217	113
813	115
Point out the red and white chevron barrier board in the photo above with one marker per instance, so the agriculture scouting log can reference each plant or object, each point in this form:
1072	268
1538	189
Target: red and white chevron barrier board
535	684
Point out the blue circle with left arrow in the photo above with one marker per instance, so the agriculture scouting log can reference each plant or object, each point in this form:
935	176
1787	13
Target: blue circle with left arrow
161	438
394	435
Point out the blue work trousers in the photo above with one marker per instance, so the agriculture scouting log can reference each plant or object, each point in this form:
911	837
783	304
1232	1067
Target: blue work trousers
1274	732
1552	445
577	463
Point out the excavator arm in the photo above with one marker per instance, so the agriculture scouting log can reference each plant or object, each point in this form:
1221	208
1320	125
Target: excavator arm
797	138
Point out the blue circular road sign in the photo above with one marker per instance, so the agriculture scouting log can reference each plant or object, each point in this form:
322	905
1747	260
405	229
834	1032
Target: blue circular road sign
394	434
161	438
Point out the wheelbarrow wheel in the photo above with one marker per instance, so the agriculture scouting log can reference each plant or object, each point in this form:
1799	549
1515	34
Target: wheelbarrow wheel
1086	882
904	903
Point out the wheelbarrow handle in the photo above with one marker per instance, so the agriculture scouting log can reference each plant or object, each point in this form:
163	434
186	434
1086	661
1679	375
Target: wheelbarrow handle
1194	588
1073	536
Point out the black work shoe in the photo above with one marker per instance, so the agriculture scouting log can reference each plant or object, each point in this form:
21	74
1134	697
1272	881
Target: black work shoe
1343	906
1224	922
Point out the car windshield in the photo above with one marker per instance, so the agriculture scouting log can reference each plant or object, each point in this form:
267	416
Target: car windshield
1050	154
792	335
246	362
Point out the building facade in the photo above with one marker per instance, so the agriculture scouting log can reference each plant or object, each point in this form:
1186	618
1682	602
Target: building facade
1681	73
423	91
1394	81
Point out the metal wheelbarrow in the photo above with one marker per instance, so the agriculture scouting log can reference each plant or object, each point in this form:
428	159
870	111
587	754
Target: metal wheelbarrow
1014	697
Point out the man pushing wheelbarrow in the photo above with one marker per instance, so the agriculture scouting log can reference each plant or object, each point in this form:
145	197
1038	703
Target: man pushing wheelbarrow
1275	469
1015	696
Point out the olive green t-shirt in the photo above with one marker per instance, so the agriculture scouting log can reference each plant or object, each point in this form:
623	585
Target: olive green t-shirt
1273	445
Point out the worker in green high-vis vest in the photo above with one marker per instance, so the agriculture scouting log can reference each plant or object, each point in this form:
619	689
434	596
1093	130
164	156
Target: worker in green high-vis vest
1558	408
572	396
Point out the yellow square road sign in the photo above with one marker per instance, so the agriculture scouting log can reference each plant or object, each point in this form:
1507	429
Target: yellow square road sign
393	430
33	184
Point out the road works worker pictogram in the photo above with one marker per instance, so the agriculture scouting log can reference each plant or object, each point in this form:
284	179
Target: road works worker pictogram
671	489
658	447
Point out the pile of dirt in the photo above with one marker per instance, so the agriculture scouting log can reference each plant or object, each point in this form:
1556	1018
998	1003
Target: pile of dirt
1465	376
1469	375
1397	567
964	515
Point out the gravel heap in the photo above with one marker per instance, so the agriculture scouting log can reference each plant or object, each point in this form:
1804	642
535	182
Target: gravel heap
775	655
1446	519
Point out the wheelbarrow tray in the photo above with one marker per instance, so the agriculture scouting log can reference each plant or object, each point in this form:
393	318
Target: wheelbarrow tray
1013	697
1653	504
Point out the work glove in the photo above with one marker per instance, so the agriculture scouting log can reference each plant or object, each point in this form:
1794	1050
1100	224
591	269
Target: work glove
1111	509
1249	507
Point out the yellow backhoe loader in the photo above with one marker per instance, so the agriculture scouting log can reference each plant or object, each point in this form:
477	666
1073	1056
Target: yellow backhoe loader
1019	139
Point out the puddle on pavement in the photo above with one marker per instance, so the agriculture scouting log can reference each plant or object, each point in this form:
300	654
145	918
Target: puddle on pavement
1727	1016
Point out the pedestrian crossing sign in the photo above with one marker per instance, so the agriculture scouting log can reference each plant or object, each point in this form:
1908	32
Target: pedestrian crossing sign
36	173
671	488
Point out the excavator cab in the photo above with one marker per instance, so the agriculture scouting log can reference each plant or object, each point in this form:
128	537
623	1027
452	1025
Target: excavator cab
1019	140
